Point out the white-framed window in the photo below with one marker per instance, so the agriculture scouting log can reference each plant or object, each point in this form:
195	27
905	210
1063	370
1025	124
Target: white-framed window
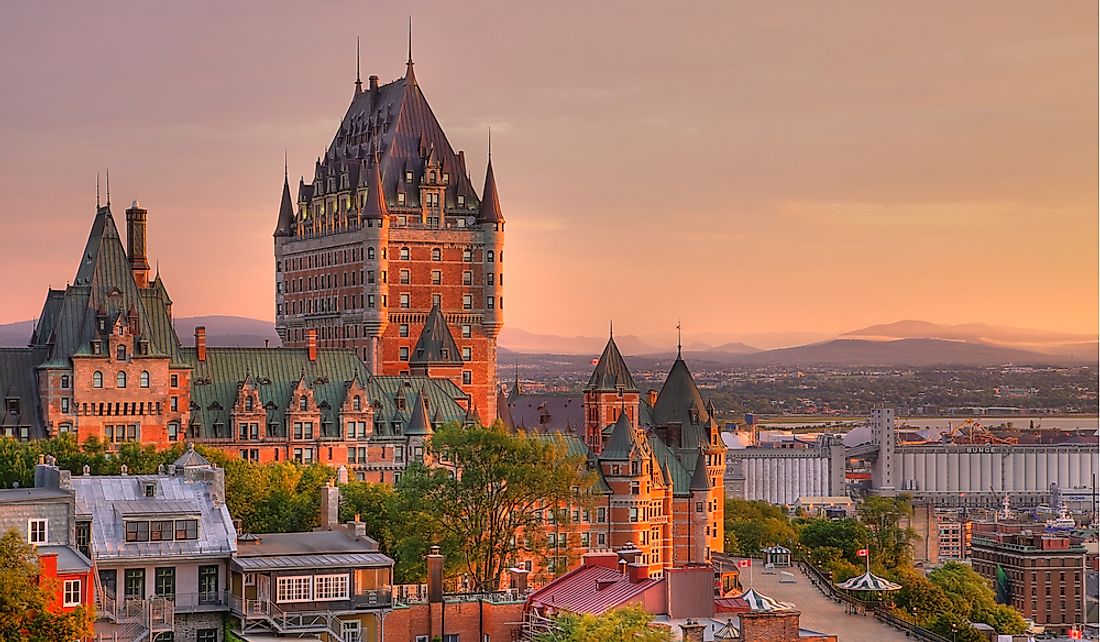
250	579
351	629
72	593
330	587
294	588
37	530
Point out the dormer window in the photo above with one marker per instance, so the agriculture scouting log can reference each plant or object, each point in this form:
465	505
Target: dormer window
12	406
248	404
357	403
150	489
302	401
120	353
408	176
461	200
401	198
446	178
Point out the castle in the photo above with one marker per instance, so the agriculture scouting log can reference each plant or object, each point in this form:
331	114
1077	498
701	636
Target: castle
389	230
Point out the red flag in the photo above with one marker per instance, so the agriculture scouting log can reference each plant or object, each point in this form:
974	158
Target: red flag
862	552
744	563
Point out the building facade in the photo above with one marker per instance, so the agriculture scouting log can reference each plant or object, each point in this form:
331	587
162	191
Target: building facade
388	228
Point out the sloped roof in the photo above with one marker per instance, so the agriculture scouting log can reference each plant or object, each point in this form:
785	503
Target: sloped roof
611	372
419	424
375	204
576	591
436	345
107	499
489	211
548	413
679	398
699	479
624	439
190	458
17	381
286	211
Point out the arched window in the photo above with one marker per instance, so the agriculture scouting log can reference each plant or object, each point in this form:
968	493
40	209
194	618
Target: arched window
404	254
248	404
489	256
120	379
467	255
144	378
437	254
357	403
97	379
120	353
370	252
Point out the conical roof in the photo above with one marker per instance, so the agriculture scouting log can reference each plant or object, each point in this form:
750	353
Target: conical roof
868	582
436	345
699	479
286	211
679	400
418	422
191	458
375	205
611	372
763	603
623	440
489	211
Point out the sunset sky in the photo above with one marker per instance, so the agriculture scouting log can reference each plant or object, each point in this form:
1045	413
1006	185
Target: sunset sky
742	166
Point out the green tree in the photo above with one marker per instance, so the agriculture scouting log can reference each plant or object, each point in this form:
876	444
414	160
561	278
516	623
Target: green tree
845	535
891	544
628	623
753	525
954	627
920	596
488	493
25	612
974	598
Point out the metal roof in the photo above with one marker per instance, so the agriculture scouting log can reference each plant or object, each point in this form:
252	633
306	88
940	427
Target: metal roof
16	495
68	558
345	561
108	499
576	591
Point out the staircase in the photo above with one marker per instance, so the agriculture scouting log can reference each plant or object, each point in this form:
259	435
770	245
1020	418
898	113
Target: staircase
262	614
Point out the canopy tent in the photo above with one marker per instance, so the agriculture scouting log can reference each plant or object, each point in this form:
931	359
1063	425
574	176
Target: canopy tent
868	582
758	602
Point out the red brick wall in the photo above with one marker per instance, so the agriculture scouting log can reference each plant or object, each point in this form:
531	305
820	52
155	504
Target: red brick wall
468	619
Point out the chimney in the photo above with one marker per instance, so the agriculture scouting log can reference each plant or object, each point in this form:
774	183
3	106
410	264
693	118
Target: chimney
651	396
519	578
330	506
692	631
373	80
200	342
136	217
311	343
637	572
357	528
435	576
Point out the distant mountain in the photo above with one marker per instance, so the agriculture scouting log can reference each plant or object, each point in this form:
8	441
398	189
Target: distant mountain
221	330
981	332
517	340
903	353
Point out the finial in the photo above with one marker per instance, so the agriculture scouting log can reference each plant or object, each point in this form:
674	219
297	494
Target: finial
490	143
286	167
358	78
108	183
98	204
611	329
410	60
679	340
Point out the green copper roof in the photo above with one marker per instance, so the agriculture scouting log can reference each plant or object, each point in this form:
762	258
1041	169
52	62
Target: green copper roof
418	422
624	439
699	479
436	345
611	372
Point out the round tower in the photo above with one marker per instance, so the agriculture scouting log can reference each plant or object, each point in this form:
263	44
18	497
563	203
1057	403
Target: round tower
491	221
376	237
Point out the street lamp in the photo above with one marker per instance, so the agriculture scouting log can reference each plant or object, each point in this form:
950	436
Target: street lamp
954	629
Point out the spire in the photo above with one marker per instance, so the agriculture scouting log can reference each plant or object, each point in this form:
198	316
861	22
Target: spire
108	182
436	345
358	78
489	211
375	205
286	206
623	440
679	342
700	481
418	422
611	372
409	76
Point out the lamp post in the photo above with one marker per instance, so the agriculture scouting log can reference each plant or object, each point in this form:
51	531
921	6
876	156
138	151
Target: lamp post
954	629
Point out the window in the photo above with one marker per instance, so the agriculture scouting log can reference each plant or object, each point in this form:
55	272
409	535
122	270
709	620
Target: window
467	255
294	588
37	530
330	587
302	402
187	529
404	300
64	404
120	353
120	379
437	277
72	593
175	381
404	353
466	354
403	330
97	379
161	530
489	256
403	254
174	404
65	381
405	277
370	252
467	302
437	299
137	531
208	585
466	331
144	380
164	582
357	403
206	635
437	254
134	585
467	377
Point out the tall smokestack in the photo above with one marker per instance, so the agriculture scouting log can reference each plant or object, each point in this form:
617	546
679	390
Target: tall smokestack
136	218
200	342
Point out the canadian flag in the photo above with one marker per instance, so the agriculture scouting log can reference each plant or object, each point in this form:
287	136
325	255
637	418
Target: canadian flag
744	563
862	552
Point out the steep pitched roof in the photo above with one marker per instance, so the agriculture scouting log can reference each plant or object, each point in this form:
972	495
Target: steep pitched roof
489	211
104	287
611	372
680	402
286	211
375	205
436	345
419	423
624	439
17	381
699	479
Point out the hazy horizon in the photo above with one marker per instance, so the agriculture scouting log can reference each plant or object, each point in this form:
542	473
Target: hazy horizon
738	167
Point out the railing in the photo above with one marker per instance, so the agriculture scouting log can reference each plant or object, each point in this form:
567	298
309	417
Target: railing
201	601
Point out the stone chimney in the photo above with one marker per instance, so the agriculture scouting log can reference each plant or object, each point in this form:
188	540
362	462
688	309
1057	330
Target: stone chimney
311	343
692	631
136	217
518	577
330	506
200	342
435	576
637	572
373	80
357	528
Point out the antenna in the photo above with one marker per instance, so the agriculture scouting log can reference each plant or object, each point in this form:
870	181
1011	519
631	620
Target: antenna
108	187
358	78
490	142
410	61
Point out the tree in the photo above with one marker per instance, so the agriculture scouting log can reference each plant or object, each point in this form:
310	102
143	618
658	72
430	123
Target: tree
954	627
25	604
627	623
488	493
753	525
973	596
891	543
845	535
920	597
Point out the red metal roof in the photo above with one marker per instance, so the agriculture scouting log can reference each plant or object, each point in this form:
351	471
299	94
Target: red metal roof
591	589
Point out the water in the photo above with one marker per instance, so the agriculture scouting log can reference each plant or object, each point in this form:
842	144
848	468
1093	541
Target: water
1049	423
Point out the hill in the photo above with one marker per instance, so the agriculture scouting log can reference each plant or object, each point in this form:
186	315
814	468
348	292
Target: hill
980	332
221	330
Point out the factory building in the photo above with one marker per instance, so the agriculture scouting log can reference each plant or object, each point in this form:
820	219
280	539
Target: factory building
782	475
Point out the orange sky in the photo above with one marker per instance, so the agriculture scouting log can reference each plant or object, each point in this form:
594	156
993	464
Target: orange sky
742	166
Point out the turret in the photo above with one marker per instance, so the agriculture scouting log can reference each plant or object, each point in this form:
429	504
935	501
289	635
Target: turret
376	237
136	219
491	222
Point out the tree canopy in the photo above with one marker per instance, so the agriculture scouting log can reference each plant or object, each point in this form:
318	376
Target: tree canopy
25	604
629	623
753	525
